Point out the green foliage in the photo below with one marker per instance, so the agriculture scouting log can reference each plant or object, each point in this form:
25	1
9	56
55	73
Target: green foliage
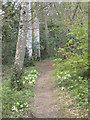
71	64
67	40
15	103
16	81
43	47
29	77
56	39
72	74
19	106
9	32
77	38
27	61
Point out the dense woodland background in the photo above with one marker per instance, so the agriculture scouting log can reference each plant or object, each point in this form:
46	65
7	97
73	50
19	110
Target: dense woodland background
35	32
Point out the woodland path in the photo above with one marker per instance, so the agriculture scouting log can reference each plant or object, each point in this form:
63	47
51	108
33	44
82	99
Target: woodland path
49	100
46	103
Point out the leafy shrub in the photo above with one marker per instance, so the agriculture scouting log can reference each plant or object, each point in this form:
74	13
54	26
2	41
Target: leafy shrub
9	32
16	81
71	64
19	106
70	74
29	77
15	103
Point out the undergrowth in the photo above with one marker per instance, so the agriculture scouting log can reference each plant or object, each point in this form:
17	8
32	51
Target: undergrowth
15	103
71	75
71	65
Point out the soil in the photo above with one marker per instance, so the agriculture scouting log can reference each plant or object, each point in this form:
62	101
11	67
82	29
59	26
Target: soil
46	103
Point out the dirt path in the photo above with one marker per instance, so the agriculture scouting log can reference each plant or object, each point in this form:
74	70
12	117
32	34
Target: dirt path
44	102
46	105
49	100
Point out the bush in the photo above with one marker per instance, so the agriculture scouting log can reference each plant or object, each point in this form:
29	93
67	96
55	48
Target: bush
71	64
15	103
71	74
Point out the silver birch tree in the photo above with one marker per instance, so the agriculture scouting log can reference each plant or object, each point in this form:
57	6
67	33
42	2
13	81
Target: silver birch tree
35	32
22	36
29	32
36	36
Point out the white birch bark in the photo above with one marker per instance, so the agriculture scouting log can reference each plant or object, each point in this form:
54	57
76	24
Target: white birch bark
22	36
36	35
29	33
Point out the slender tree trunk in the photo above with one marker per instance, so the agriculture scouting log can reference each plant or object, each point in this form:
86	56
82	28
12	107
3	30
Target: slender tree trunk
22	36
29	33
46	29
35	33
36	37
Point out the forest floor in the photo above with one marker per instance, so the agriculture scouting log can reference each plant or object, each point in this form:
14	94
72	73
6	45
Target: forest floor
48	101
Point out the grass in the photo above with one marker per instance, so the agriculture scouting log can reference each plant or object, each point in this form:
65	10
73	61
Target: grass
15	104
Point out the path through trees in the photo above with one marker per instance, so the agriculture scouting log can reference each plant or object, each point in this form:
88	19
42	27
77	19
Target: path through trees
46	100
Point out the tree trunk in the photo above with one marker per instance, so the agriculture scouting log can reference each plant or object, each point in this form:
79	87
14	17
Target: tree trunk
36	37
46	29
29	33
22	36
35	33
